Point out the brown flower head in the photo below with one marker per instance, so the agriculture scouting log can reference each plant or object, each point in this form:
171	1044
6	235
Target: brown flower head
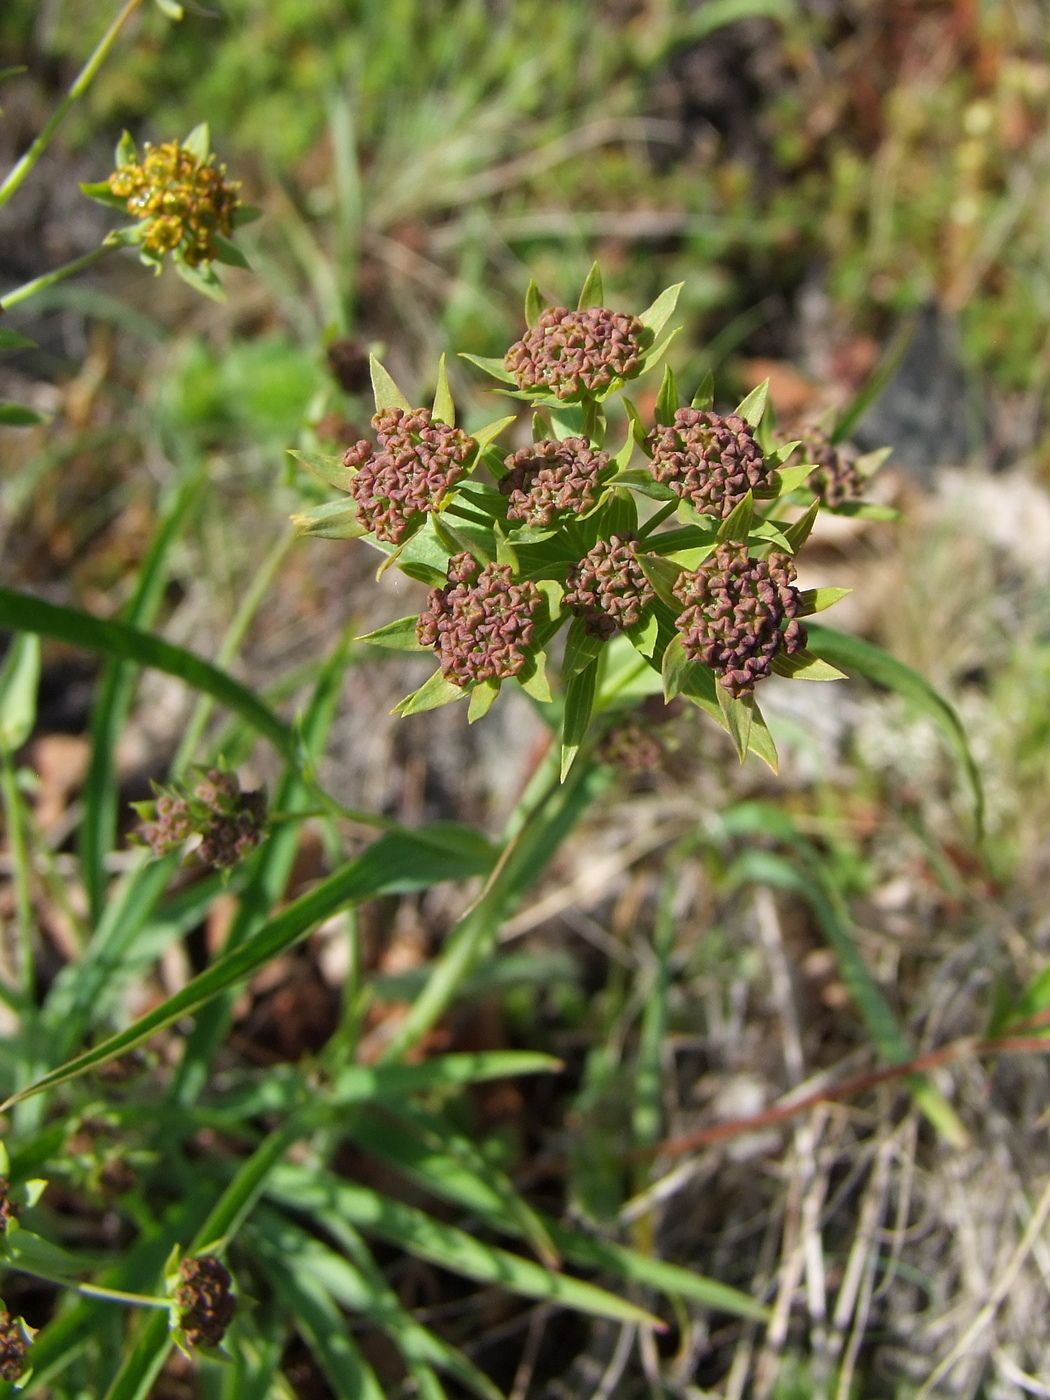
231	822
734	609
836	480
481	623
709	460
608	587
417	464
171	824
577	352
13	1347
550	478
186	200
205	1304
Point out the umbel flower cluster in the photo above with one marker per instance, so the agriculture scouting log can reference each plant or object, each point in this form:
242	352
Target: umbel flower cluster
228	823
183	206
664	558
204	1301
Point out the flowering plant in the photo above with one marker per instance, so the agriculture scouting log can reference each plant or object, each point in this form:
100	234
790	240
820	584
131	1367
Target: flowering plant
664	563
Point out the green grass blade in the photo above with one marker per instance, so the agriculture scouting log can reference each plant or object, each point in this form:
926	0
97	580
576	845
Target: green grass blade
393	864
22	612
116	689
300	1189
858	657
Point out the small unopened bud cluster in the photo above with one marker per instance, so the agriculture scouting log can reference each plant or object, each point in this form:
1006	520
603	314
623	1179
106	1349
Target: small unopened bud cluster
419	462
13	1347
550	478
186	200
735	606
481	623
204	1300
836	480
229	822
608	587
711	461
577	352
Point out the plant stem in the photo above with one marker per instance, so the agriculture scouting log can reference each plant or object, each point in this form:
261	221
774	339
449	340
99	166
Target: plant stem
12	803
81	83
40	284
115	1295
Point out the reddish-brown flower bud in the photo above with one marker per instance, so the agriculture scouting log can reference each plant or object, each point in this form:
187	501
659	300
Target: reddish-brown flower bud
205	1303
419	462
550	478
575	352
608	587
9	1209
836	480
709	460
13	1347
735	607
481	623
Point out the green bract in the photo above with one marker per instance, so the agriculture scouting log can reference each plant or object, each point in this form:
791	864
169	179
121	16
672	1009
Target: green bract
665	562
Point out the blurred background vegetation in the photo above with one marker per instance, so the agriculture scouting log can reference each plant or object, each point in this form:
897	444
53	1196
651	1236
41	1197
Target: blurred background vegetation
824	177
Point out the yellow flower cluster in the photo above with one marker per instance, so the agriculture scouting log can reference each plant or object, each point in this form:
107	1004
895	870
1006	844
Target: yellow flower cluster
187	201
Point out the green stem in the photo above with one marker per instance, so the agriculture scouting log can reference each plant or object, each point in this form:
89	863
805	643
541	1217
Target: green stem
658	518
116	1295
81	83
20	865
41	284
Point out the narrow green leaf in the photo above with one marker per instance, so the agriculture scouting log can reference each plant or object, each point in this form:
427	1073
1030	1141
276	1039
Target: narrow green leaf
663	575
127	152
395	863
816	600
13	340
431	695
533	305
198	142
482	698
333	520
227	252
592	292
246	214
15	415
21	611
101	193
862	658
533	680
790	478
760	741
494	367
386	392
301	1189
655	317
396	636
867	464
704	398
753	407
804	666
444	410
739	523
656	354
579	702
667	398
581	647
797	534
19	682
330	469
738	714
487	435
170	9
202	279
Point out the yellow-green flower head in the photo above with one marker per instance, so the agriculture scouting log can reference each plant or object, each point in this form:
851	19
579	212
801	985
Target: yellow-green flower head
185	201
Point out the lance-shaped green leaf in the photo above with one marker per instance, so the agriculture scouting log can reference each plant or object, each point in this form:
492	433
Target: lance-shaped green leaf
301	1189
203	279
457	542
19	682
739	523
22	612
396	636
102	193
862	658
753	407
797	534
804	666
870	462
198	142
333	520
444	410
656	316
384	390
533	305
533	679
644	483
246	214
13	340
579	703
656	354
704	398
227	252
331	470
127	238
738	712
638	428
16	415
667	398
496	368
790	478
395	863
619	514
482	698
431	695
815	600
591	293
663	575
581	648
127	152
